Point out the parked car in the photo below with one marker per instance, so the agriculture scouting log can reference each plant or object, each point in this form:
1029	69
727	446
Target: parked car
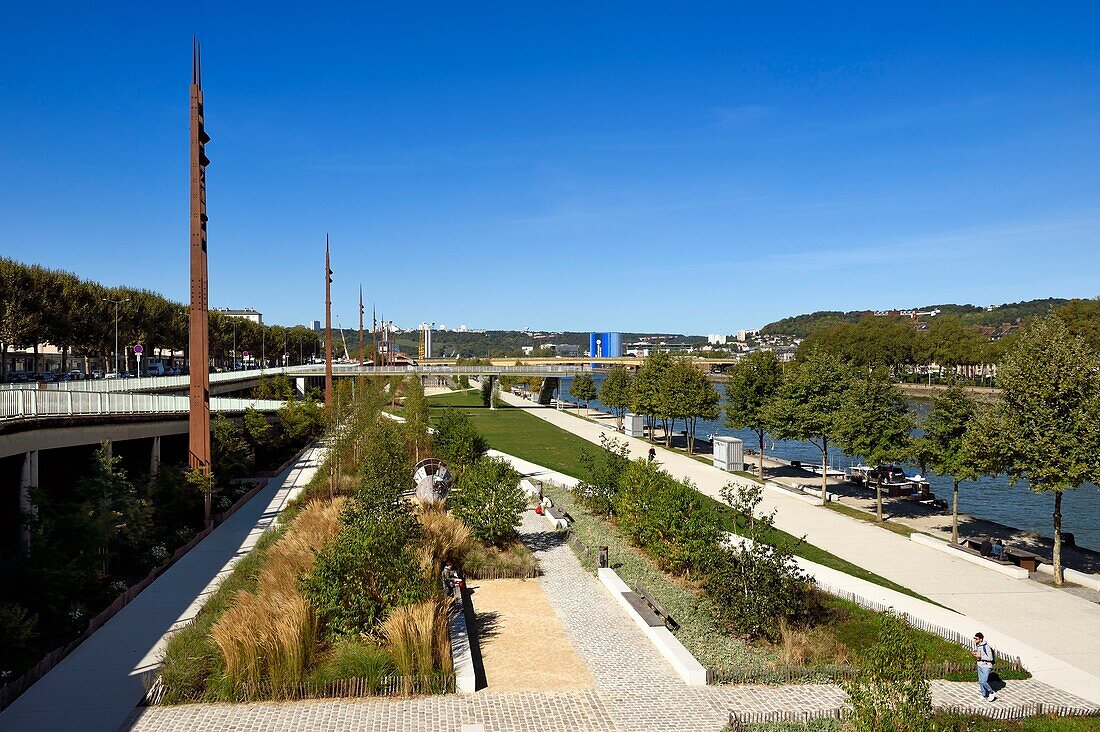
110	375
76	375
97	374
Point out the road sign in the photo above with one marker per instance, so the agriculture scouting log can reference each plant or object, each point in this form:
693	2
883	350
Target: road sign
138	349
244	354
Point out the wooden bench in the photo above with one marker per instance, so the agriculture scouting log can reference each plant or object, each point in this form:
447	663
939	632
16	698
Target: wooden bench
652	606
1024	559
973	546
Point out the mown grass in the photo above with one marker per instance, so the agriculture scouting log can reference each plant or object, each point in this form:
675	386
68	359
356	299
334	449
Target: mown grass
524	435
870	518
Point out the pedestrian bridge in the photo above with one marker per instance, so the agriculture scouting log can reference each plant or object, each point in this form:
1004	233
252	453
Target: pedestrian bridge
229	380
23	405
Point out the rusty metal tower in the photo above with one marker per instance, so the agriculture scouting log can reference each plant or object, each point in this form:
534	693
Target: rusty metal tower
328	329
199	346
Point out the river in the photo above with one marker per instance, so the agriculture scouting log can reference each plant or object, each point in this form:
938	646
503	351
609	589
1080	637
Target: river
991	498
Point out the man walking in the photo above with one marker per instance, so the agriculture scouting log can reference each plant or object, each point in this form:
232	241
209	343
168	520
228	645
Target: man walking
984	654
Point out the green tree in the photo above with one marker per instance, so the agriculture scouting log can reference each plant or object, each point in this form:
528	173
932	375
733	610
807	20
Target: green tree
874	422
891	693
231	455
1046	428
457	441
645	398
387	469
615	392
751	385
489	500
416	417
942	447
809	402
583	388
600	489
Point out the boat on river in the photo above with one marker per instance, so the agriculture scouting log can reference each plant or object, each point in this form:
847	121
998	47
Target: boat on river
893	481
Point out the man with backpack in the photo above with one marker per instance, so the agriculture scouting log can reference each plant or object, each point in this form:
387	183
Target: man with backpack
986	658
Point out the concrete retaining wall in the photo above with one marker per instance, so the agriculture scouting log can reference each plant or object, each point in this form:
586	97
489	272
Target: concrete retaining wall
1008	570
690	670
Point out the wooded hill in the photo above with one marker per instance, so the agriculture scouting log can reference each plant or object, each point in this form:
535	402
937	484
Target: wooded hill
803	325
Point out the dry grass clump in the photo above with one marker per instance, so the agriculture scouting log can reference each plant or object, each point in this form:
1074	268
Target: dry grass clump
810	647
489	562
446	538
269	636
417	637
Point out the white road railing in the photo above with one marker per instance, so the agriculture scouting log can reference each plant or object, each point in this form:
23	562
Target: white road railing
35	403
162	383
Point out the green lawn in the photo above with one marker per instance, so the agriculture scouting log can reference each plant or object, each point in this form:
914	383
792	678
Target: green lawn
524	435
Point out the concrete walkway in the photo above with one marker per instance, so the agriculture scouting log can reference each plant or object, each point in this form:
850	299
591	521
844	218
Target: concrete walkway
1056	633
98	685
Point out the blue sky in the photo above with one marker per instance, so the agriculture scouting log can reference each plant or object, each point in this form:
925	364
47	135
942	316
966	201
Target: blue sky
637	166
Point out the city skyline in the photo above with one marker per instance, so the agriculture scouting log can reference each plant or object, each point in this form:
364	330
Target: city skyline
506	167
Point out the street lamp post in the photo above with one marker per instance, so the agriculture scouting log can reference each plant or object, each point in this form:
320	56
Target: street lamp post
116	303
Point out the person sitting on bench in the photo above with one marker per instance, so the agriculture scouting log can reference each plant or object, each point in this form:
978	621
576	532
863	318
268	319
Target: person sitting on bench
986	548
998	550
451	579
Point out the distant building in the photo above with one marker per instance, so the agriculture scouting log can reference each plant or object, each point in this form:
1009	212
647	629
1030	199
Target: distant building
564	349
605	345
744	335
248	314
527	350
316	326
716	340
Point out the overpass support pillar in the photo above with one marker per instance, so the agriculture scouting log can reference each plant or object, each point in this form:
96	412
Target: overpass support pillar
492	385
154	458
27	480
300	385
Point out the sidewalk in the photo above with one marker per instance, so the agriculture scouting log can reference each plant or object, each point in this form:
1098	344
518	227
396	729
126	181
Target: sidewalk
1056	633
98	685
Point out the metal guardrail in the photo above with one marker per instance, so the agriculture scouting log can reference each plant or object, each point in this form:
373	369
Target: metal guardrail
36	404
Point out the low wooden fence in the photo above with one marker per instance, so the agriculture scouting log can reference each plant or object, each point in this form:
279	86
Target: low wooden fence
494	573
11	690
738	721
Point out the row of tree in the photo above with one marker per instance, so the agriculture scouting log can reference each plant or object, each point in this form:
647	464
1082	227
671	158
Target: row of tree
949	342
1043	430
40	305
665	390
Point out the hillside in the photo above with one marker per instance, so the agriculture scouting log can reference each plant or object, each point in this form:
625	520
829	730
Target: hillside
803	325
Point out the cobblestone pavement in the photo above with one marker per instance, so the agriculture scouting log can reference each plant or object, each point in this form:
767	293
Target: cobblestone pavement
636	689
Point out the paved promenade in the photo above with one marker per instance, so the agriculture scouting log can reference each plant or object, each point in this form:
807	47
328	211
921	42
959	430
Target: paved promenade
636	689
1056	633
97	686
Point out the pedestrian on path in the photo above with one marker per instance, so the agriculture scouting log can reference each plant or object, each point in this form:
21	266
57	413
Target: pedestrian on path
652	454
984	655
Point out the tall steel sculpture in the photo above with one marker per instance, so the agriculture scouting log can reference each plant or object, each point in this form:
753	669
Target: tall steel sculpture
198	457
361	343
328	329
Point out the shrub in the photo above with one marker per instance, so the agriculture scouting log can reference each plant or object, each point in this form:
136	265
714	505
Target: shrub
354	658
370	567
667	518
891	694
487	392
605	469
457	440
489	500
756	585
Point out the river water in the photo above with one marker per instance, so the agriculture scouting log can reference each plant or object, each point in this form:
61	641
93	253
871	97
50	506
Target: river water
991	498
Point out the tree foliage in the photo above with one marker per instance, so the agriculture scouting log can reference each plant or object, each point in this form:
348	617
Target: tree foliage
1046	428
616	391
891	694
943	447
751	385
489	500
457	441
583	388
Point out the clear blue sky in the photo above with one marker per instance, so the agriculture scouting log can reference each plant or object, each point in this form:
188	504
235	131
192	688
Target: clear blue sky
679	166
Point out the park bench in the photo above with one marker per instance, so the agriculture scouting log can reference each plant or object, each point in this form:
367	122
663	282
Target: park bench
1026	560
559	518
974	546
650	610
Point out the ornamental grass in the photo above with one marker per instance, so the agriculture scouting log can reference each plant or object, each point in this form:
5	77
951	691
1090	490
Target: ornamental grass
268	636
417	637
446	538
